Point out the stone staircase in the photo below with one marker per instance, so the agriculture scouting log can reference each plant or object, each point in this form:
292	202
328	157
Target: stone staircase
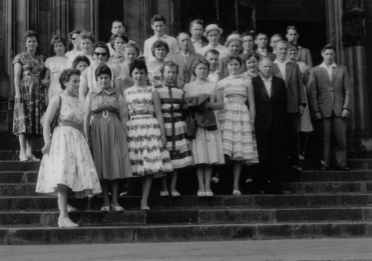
321	204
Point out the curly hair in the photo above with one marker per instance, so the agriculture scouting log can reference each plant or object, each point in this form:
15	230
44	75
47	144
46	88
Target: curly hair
139	64
202	61
134	46
58	39
102	45
78	59
159	44
66	75
169	64
234	57
87	35
32	33
114	36
103	69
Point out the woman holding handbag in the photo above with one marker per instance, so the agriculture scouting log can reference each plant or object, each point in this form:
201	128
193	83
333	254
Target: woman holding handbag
67	162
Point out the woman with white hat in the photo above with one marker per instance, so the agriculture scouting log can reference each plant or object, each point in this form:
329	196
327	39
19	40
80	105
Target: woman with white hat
235	45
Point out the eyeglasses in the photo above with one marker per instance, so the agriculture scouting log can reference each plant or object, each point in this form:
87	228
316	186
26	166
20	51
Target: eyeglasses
102	54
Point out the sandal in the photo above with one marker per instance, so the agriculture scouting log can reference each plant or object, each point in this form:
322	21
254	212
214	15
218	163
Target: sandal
164	193
33	158
201	194
67	223
23	159
116	208
209	194
105	209
175	194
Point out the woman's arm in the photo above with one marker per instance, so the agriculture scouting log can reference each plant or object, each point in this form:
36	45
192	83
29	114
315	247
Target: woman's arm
17	80
83	90
122	111
48	118
45	82
218	105
159	115
251	103
87	115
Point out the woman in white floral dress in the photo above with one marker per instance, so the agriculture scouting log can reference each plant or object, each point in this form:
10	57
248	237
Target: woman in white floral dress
67	162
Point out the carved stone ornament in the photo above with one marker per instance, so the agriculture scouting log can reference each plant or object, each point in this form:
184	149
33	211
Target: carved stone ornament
353	23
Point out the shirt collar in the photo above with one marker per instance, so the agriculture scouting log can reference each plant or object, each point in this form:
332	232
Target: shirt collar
108	91
268	80
334	65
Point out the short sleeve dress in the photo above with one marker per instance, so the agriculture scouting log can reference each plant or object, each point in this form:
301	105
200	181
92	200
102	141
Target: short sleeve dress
69	161
108	136
207	146
147	153
235	125
56	66
29	108
178	145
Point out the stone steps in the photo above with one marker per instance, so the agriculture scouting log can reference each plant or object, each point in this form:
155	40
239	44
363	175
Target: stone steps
22	203
190	216
182	233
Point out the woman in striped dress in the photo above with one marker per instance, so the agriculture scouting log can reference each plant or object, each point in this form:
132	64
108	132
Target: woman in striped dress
178	146
236	121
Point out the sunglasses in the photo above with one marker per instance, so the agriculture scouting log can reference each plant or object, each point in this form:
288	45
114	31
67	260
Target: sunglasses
102	54
73	39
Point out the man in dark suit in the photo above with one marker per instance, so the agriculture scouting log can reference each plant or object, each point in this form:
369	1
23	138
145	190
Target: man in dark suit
270	97
185	60
329	87
296	100
196	31
303	54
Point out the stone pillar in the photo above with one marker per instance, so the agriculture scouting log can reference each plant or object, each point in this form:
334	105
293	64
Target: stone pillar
368	28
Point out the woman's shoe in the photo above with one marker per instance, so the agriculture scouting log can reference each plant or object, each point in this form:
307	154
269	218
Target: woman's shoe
215	179
209	194
105	209
237	193
71	208
32	158
201	194
67	223
116	208
24	158
164	193
175	194
145	208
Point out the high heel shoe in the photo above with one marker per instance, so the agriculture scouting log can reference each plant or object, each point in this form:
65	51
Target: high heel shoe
164	193
116	208
67	223
209	194
145	208
175	194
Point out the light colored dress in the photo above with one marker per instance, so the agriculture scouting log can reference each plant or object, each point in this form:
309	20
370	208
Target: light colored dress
207	146
305	124
236	129
69	161
56	66
146	150
178	145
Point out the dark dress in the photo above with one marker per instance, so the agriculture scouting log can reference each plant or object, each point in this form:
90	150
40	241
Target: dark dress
29	108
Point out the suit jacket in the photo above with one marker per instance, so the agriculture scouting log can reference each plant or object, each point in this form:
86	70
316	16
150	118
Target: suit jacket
304	55
328	96
271	112
185	71
294	83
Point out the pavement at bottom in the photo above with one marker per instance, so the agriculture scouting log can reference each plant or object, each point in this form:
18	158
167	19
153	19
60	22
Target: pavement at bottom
350	249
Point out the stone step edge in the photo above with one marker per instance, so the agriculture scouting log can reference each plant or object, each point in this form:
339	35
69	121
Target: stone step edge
168	233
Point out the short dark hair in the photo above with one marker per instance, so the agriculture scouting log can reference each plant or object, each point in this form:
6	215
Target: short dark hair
202	61
78	59
114	36
117	21
257	35
103	69
231	57
249	55
168	64
247	33
197	21
158	44
263	58
212	51
66	75
87	35
158	18
139	64
292	27
32	33
134	46
102	45
58	39
329	47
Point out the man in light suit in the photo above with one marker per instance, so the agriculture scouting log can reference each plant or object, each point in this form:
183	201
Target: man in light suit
296	100
270	97
329	87
303	54
185	60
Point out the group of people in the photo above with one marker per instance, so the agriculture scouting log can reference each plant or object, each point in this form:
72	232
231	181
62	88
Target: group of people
109	112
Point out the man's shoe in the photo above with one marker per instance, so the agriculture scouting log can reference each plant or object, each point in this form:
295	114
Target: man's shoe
342	168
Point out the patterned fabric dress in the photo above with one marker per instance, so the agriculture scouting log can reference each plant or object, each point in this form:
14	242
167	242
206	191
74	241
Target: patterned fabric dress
29	109
109	136
69	161
146	150
207	147
236	129
305	124
175	127
56	65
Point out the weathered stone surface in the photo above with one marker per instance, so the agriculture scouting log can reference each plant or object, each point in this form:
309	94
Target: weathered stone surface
318	215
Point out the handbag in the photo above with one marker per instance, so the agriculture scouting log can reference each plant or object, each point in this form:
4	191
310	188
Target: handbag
366	145
54	122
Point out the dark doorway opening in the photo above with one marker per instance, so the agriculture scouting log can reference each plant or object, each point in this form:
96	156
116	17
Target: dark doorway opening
108	11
